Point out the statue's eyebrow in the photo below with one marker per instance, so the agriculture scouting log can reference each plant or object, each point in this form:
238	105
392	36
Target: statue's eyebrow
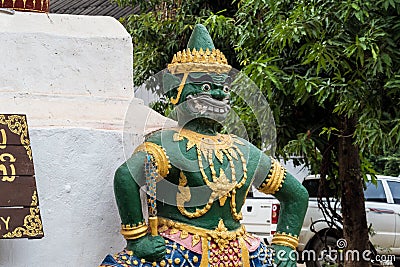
220	79
202	78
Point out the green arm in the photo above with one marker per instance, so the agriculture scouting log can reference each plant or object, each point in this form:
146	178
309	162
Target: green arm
127	182
128	179
293	198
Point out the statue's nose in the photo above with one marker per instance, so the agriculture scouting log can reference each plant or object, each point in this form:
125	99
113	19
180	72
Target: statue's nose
219	94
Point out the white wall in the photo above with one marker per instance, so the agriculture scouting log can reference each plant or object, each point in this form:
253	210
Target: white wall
72	76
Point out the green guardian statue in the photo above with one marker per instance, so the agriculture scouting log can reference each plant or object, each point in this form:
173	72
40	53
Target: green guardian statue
197	179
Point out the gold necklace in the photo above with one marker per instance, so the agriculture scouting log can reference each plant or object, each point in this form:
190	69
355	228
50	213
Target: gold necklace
207	146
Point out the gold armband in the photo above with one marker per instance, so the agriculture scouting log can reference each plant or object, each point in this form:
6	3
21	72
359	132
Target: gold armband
276	175
159	155
287	240
134	232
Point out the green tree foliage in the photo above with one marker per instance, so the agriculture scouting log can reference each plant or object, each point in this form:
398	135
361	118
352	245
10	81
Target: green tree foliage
317	60
331	70
387	164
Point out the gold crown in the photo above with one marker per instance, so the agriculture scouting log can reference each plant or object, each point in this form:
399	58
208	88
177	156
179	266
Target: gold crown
199	61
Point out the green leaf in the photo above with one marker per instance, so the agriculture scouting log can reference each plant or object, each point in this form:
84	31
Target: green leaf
355	6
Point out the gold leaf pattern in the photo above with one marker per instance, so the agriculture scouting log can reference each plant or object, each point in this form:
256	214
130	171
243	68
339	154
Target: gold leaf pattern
177	137
233	153
163	228
17	125
184	234
173	231
206	153
195	240
32	223
190	144
219	155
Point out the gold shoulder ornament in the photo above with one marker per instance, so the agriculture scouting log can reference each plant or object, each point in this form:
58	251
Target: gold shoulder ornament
159	155
275	179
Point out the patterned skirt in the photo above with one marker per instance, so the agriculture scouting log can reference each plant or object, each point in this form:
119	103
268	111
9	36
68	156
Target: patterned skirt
179	255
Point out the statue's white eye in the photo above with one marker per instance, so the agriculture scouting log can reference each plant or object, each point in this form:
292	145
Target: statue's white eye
206	87
226	88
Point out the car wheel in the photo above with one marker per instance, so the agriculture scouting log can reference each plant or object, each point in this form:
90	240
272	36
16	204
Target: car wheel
317	255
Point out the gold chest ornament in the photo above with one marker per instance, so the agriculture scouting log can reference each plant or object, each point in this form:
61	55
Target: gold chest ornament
208	146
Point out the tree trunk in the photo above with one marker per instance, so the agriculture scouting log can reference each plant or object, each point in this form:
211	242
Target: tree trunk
355	230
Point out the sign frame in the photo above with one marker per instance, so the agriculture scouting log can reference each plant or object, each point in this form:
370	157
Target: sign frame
19	202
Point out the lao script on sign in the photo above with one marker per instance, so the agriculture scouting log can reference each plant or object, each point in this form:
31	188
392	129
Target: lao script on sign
19	211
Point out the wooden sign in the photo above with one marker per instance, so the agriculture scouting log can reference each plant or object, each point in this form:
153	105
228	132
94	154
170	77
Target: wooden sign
19	210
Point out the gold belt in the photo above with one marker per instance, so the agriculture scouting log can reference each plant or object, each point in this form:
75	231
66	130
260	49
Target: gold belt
221	232
221	236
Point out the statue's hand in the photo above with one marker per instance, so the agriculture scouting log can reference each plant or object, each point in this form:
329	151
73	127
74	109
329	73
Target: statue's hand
150	248
284	256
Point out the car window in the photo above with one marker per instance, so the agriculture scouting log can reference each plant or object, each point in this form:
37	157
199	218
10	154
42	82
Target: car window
312	186
375	193
395	188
